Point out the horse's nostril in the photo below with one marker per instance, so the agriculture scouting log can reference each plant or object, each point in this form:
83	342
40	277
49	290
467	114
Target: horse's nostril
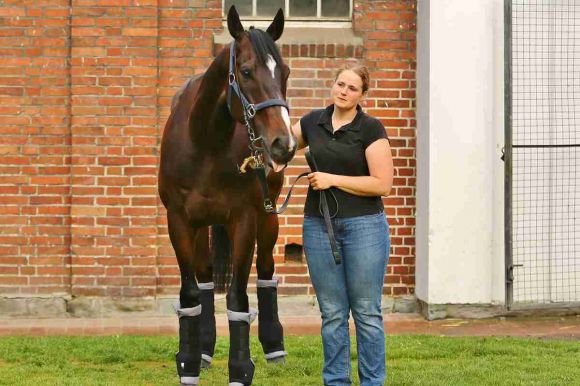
280	144
282	148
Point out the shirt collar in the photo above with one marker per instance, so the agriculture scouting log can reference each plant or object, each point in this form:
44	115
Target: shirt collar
325	119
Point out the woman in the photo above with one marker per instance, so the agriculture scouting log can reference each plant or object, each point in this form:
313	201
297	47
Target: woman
353	156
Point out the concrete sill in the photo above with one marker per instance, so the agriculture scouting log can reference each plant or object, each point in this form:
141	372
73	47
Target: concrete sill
310	42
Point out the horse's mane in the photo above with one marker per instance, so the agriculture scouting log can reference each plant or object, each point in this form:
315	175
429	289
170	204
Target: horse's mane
264	46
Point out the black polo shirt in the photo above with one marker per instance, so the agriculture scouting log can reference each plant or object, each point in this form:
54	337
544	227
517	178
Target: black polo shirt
343	153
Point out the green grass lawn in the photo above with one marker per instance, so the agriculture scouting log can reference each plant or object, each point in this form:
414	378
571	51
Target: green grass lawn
412	360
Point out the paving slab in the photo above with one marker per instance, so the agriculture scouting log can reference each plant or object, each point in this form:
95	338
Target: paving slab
563	327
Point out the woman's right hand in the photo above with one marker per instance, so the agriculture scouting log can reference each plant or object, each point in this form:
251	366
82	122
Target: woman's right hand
321	181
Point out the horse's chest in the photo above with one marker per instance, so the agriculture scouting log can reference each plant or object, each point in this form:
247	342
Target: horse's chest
205	210
214	206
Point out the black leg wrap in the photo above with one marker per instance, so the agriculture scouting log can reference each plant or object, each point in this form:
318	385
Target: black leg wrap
240	364
188	357
270	329
207	326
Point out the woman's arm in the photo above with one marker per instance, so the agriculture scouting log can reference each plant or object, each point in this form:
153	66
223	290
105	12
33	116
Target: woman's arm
297	131
379	183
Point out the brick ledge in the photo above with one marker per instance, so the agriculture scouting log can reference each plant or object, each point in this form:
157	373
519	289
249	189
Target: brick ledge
310	43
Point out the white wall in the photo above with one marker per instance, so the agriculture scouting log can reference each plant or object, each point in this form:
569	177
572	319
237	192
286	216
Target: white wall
459	136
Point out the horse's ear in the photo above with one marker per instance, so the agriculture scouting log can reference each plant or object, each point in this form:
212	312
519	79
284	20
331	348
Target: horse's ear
277	27
234	25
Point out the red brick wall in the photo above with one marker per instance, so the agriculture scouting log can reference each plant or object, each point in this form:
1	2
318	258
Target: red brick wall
85	87
35	147
389	29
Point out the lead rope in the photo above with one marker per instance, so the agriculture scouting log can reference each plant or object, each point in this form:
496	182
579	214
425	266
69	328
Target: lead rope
323	205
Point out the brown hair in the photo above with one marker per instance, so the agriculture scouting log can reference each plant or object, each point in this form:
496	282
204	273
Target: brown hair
360	70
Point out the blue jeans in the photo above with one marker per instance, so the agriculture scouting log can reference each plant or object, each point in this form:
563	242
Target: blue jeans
355	285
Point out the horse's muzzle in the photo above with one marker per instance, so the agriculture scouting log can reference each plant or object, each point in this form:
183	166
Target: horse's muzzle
282	149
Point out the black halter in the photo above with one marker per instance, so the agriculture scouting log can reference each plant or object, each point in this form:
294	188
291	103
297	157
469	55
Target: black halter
249	111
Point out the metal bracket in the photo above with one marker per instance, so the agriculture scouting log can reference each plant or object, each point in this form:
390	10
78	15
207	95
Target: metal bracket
510	273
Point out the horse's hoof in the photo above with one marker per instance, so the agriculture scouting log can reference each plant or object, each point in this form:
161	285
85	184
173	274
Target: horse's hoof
205	364
278	360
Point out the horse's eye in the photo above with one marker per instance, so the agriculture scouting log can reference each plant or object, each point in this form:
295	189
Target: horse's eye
246	73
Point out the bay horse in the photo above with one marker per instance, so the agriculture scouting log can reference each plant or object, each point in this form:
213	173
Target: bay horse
216	211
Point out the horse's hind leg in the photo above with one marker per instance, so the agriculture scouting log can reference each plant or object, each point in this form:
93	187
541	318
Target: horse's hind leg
243	235
188	357
204	274
270	329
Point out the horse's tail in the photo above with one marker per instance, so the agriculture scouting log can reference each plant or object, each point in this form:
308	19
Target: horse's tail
221	256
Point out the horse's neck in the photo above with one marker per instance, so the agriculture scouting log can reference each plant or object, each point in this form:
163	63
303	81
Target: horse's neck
209	116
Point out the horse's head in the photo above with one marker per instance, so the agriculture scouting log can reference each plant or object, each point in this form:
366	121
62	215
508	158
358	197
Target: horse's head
257	67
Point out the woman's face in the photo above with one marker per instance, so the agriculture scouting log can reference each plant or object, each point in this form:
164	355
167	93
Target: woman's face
346	92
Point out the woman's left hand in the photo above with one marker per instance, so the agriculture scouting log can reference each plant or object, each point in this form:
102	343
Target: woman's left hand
321	181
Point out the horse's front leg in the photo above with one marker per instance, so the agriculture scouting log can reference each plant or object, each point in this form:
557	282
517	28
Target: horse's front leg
188	357
243	236
270	329
204	274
